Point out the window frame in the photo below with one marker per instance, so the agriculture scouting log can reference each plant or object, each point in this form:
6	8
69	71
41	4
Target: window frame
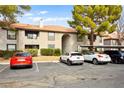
51	44
49	39
9	37
31	33
11	44
37	46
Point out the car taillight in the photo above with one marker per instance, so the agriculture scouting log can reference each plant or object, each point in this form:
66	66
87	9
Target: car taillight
100	56
14	59
28	58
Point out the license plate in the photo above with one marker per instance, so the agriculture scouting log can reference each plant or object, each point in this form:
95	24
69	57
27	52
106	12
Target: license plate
21	59
78	57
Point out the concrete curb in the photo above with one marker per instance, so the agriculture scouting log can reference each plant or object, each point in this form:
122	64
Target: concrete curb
5	63
45	61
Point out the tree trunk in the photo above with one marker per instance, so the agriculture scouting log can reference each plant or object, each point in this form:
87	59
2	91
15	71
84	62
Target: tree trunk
91	40
119	39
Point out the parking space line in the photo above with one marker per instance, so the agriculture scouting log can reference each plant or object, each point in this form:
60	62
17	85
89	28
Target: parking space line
37	69
4	63
64	65
1	70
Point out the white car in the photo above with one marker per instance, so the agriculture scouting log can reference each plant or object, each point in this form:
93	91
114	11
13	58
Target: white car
72	58
97	57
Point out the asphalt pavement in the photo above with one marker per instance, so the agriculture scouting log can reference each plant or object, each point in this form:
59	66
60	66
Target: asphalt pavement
60	75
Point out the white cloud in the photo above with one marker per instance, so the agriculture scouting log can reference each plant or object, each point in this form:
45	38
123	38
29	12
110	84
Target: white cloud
43	12
56	19
28	14
49	21
35	19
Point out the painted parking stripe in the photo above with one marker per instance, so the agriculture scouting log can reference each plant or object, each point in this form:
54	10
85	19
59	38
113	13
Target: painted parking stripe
4	63
64	66
1	70
37	69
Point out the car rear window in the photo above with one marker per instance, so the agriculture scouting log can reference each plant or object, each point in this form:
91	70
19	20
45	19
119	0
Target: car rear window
76	54
22	54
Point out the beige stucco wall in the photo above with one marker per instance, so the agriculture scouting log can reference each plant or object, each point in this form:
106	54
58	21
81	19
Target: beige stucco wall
4	41
43	41
70	43
23	40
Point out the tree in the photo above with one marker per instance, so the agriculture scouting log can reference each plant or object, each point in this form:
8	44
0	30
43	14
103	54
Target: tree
120	29
95	19
9	13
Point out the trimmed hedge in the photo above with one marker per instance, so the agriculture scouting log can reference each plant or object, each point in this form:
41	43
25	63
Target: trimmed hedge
7	54
50	52
33	52
57	52
46	52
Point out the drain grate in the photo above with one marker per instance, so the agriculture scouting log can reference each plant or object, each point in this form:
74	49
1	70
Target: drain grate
94	78
82	78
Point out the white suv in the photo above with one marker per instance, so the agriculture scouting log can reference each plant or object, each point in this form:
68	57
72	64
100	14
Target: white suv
72	58
97	57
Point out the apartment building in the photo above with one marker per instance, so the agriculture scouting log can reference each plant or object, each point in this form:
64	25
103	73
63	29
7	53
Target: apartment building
47	36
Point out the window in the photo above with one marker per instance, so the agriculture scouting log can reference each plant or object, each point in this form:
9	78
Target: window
11	35
31	34
51	36
51	46
11	46
31	46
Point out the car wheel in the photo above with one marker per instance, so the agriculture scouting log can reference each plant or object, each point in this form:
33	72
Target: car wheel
11	67
60	60
95	61
116	61
106	63
31	66
68	62
81	63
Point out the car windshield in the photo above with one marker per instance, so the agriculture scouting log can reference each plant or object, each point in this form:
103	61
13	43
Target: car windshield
76	54
22	54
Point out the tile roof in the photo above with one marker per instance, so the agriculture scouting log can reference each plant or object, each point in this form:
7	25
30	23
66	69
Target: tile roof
112	36
52	28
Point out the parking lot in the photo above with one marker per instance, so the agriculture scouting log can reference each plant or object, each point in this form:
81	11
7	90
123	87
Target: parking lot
60	75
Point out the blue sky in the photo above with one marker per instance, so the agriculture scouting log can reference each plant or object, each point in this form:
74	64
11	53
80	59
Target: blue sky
51	15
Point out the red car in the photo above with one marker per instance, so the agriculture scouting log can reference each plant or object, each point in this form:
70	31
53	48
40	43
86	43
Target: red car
21	59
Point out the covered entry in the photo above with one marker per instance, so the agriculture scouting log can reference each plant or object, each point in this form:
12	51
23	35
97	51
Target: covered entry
65	43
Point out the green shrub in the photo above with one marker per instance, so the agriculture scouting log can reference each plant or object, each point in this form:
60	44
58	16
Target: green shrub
47	52
1	53
57	52
50	52
7	54
33	52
